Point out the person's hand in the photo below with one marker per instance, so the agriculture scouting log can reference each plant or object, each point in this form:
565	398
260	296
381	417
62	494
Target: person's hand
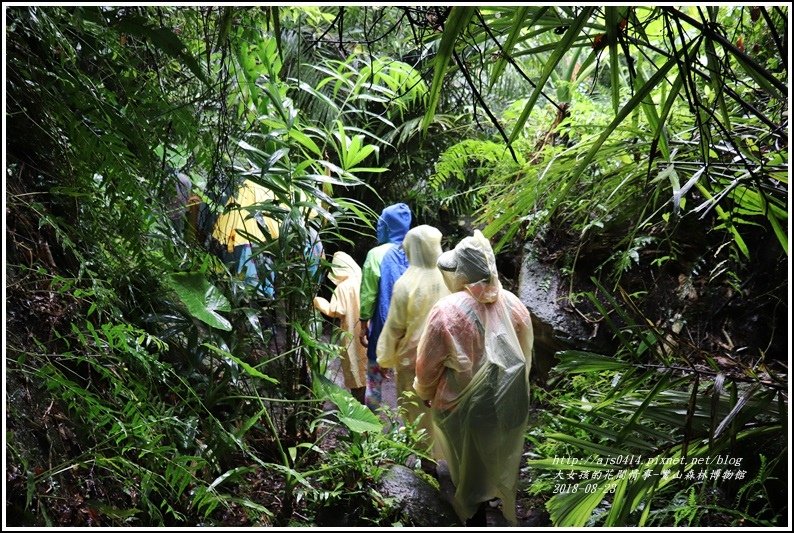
427	403
385	372
363	338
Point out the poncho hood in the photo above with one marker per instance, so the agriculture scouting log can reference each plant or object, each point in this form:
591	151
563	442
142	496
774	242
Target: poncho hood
343	267
422	246
393	223
471	266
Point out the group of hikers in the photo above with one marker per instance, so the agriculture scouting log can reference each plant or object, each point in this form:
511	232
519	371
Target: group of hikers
455	339
459	344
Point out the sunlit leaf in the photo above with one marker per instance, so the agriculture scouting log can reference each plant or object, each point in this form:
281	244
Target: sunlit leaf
356	416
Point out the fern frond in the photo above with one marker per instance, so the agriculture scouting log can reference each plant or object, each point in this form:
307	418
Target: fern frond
480	156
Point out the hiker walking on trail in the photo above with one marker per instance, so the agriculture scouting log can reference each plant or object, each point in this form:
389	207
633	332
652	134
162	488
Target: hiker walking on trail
472	367
414	294
383	266
344	305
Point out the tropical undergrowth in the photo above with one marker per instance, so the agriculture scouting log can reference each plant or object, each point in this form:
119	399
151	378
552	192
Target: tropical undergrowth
660	433
148	383
647	164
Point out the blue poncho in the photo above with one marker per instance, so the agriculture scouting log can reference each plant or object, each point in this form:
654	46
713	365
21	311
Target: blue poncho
396	221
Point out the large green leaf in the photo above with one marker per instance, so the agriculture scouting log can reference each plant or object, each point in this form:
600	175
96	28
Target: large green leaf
579	362
726	218
717	83
751	202
666	108
574	508
250	370
611	18
305	141
201	298
253	318
273	15
357	417
780	232
652	115
663	384
765	79
234	473
639	96
515	32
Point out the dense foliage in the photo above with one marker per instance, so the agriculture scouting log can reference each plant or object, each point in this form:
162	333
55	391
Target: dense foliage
640	151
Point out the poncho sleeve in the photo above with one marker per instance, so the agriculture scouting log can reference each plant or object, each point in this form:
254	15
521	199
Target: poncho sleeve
369	286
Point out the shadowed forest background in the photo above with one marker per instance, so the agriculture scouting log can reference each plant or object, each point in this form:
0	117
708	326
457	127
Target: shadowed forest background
629	164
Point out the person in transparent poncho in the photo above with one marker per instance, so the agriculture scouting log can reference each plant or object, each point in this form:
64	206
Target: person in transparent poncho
472	367
415	292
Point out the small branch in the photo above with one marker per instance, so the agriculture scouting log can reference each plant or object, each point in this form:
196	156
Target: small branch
341	19
706	30
780	49
394	26
488	112
512	61
333	23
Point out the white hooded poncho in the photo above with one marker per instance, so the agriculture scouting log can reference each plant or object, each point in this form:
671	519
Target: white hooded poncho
414	294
